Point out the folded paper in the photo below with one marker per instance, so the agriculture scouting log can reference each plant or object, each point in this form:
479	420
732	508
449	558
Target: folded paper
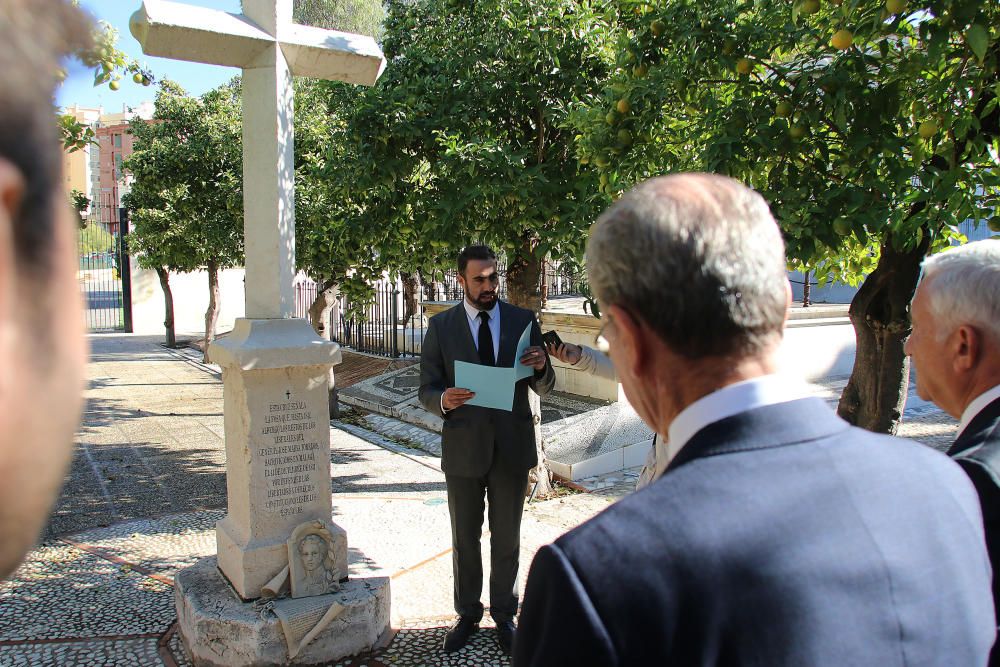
494	386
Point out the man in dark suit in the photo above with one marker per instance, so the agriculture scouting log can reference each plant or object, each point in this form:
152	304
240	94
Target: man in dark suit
778	535
484	451
955	347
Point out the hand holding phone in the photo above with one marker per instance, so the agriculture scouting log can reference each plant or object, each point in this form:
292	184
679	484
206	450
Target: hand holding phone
551	338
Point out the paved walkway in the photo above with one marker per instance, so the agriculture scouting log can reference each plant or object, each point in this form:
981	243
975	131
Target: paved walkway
148	484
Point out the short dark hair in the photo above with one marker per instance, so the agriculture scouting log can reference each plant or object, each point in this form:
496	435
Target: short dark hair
36	35
474	252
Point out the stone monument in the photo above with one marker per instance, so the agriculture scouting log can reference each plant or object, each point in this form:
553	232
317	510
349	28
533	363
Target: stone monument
275	370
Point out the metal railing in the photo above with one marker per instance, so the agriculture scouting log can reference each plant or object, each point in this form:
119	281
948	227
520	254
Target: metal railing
391	324
103	267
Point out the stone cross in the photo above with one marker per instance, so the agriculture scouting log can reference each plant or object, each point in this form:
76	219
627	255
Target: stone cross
275	370
270	49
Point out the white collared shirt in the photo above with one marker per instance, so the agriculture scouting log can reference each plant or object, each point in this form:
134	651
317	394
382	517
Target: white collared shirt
728	401
976	406
472	313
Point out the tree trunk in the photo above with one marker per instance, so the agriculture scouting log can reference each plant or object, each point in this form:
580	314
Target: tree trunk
409	281
319	317
806	290
876	393
319	310
212	313
168	306
523	272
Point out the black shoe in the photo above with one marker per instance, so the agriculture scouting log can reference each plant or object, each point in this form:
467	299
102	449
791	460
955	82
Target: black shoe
505	635
458	635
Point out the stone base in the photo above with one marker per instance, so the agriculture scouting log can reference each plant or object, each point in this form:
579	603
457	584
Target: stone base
220	630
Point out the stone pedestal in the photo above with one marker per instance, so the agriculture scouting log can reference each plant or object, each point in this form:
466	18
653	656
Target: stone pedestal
275	375
221	630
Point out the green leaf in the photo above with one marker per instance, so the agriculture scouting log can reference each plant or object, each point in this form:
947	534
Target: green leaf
978	40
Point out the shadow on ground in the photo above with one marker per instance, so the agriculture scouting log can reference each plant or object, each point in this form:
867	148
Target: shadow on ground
112	483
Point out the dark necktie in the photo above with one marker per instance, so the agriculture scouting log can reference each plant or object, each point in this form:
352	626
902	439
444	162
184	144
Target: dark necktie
485	340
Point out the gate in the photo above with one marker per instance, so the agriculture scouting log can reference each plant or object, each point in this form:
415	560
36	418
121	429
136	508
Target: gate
103	266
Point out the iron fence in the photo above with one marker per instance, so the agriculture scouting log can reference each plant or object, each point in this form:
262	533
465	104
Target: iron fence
391	324
103	269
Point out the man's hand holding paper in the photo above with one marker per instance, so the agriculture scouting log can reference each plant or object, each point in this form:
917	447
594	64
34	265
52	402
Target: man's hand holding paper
455	397
534	356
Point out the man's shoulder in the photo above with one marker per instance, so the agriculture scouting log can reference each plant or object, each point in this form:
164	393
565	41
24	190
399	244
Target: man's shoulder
446	314
639	518
984	457
518	311
877	454
515	315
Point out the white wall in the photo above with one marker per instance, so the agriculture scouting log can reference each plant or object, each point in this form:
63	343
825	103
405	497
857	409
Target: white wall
190	292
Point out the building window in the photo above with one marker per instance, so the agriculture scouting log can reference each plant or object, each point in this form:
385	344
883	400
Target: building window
118	140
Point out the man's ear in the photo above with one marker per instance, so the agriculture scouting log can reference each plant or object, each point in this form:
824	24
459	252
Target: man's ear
11	189
966	348
629	340
11	194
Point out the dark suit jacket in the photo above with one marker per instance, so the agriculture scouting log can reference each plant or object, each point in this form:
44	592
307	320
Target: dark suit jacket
777	537
977	450
473	435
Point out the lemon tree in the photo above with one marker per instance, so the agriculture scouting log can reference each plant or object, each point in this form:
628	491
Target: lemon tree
463	139
872	127
186	199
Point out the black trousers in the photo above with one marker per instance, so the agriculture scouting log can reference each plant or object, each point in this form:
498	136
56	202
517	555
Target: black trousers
504	489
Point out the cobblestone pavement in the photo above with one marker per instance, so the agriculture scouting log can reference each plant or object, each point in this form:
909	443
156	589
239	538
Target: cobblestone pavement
148	484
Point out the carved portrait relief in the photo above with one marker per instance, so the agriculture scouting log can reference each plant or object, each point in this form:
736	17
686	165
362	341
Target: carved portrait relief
312	568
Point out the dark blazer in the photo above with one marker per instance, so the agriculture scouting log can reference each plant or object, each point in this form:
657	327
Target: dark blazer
777	537
470	433
977	450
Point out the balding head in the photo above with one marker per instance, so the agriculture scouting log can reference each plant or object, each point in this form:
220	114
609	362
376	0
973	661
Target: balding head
699	258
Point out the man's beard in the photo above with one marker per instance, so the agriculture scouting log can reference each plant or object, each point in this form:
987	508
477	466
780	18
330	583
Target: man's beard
486	303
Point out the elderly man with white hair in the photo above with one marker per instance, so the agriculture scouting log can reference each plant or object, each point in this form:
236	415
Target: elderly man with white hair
955	347
778	534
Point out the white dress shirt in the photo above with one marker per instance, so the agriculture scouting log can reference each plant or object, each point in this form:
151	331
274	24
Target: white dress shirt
728	401
976	406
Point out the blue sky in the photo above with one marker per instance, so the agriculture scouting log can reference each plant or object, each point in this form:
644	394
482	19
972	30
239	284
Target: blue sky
194	77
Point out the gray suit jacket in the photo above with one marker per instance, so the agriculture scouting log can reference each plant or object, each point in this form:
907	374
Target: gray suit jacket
473	436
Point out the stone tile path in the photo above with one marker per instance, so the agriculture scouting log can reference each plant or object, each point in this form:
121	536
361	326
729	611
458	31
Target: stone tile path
148	485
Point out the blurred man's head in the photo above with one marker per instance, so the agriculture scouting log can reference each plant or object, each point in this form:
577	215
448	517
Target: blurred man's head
689	271
477	273
41	335
955	313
